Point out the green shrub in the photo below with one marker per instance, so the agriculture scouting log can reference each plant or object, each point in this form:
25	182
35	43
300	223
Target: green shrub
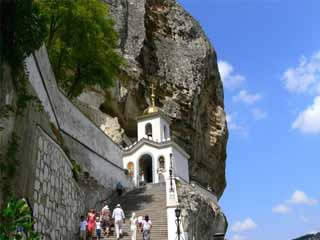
14	217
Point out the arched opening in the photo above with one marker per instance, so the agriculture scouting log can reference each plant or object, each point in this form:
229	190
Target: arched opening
165	132
130	169
161	162
148	129
145	168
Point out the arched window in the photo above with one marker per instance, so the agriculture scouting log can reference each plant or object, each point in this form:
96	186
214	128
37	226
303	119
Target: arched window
149	129
161	162
130	169
165	132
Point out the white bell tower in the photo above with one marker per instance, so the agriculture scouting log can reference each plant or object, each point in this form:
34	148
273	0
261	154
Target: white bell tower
153	124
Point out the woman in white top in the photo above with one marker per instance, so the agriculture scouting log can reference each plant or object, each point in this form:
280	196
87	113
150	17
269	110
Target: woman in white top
146	228
133	226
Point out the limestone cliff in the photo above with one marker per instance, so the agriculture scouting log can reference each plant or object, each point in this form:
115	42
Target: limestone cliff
201	217
163	44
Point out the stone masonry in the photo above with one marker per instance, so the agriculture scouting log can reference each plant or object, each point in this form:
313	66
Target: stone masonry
58	201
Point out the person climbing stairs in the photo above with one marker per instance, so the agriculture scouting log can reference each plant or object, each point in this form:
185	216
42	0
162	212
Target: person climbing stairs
149	200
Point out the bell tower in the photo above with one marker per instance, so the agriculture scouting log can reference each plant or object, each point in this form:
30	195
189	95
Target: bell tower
153	124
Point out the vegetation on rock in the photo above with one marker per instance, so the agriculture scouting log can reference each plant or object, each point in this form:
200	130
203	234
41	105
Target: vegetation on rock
81	43
8	166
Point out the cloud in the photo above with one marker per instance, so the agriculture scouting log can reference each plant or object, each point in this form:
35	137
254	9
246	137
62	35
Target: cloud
246	97
299	197
259	114
233	126
308	121
229	79
304	219
281	209
245	225
238	237
305	77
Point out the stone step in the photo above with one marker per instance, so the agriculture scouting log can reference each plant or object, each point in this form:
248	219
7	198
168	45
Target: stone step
149	200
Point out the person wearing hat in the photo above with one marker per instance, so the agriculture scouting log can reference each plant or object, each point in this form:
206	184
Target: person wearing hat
119	219
106	220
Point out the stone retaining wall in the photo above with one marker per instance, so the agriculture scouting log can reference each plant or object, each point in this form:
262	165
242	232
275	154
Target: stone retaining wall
47	141
58	200
87	143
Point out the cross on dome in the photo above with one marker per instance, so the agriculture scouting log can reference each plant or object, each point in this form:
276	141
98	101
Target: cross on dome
153	108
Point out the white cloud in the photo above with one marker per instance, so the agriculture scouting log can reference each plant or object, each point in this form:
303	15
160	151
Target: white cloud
245	225
304	219
229	79
238	237
258	114
281	209
308	121
305	77
246	97
299	197
233	126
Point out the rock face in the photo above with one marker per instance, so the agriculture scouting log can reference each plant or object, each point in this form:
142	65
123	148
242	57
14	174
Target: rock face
309	237
164	45
201	216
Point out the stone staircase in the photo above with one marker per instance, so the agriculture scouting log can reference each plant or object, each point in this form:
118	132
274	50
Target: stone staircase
149	200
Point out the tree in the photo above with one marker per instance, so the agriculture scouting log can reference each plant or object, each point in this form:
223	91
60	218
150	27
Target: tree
82	43
22	30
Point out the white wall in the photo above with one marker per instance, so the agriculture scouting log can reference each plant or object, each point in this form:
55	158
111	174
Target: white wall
164	123
88	144
155	153
69	118
155	122
36	82
158	124
180	162
180	165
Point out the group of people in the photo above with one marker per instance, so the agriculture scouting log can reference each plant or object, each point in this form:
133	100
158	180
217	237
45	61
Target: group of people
144	225
97	225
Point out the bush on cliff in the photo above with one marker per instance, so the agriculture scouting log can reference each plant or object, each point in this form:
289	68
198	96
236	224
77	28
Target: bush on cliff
22	30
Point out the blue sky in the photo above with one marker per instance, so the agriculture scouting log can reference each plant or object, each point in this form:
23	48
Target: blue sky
269	58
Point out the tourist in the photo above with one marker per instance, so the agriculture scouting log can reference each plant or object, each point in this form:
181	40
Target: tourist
140	220
133	226
98	228
146	228
119	188
91	223
119	219
106	220
83	228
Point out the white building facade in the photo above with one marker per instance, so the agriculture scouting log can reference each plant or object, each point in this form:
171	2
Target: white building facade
154	154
